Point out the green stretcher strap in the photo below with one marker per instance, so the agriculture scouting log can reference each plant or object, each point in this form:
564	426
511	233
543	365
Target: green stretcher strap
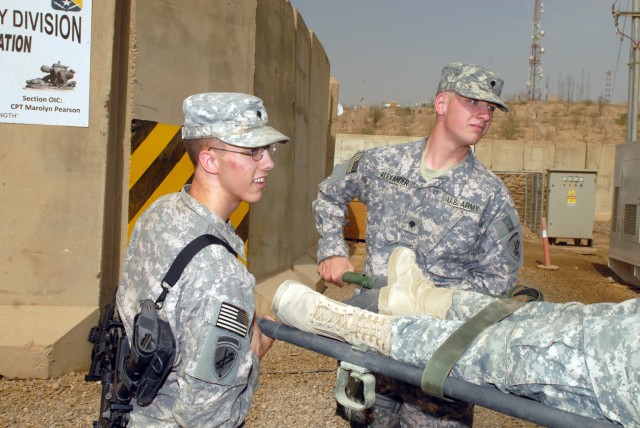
445	357
529	293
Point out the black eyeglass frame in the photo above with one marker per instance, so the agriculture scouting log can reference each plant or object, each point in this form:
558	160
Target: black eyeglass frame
256	153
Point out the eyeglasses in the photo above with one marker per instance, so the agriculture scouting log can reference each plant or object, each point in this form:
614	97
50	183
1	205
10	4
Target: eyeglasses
256	154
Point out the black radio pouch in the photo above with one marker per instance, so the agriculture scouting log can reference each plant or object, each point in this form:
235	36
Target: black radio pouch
139	372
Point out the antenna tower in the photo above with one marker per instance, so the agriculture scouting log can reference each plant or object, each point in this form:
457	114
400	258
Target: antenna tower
534	81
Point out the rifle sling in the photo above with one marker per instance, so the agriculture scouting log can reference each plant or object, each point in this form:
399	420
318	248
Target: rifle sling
184	257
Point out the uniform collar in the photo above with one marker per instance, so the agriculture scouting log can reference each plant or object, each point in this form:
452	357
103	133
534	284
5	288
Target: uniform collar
451	182
218	227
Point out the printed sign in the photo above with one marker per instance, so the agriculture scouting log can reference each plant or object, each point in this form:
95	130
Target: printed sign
45	47
571	197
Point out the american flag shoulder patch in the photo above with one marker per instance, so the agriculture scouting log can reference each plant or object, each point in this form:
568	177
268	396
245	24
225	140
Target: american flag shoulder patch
233	319
354	162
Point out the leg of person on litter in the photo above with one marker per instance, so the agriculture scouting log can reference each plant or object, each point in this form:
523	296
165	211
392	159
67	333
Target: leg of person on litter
575	357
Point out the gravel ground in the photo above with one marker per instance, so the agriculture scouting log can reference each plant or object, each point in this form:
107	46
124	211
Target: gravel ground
297	384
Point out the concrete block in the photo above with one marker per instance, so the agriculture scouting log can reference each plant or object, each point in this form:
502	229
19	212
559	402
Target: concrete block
304	271
507	155
266	289
305	268
539	155
570	156
484	152
45	341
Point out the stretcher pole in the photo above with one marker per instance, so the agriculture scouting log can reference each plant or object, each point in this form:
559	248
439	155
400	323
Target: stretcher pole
491	398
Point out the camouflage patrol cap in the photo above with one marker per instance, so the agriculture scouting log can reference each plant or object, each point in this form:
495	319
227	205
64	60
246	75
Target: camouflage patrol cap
472	81
237	119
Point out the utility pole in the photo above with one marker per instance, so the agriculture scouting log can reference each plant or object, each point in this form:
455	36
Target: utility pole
634	68
534	81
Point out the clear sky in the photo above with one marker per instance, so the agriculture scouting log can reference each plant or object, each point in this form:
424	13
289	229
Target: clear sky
394	50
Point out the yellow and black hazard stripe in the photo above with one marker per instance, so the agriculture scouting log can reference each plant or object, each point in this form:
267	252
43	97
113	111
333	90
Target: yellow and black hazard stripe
160	165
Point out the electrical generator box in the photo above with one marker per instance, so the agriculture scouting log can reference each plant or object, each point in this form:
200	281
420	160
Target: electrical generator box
624	239
571	203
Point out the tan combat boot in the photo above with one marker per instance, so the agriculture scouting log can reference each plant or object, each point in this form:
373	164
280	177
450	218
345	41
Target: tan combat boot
409	292
300	307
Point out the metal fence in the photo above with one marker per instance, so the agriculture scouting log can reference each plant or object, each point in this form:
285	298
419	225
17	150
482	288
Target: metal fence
529	192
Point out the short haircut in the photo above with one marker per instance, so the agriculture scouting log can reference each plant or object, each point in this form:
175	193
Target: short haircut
195	146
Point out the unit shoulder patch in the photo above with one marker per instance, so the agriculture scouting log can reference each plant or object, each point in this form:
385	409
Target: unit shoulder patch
508	231
514	246
225	356
224	342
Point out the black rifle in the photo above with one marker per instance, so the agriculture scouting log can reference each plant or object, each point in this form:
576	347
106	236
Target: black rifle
124	372
106	338
140	372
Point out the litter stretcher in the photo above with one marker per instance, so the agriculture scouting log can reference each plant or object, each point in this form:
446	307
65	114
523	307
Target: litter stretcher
360	364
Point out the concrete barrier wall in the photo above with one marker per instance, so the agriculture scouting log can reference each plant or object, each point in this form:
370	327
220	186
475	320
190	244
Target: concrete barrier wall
56	180
538	155
519	156
260	47
65	190
348	144
182	49
54	200
302	134
270	238
53	194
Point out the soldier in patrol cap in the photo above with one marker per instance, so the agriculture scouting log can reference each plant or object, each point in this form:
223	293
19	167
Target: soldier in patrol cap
211	309
434	197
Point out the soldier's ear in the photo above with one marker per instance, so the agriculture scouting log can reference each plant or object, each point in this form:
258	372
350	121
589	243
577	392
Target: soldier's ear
209	160
441	103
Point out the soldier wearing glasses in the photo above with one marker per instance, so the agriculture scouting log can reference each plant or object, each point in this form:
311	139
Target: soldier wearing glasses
230	144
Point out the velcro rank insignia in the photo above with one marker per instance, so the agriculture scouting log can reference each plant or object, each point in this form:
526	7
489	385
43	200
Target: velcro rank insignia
225	355
353	163
233	319
411	224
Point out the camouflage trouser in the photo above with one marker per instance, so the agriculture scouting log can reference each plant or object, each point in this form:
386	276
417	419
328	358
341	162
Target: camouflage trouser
400	405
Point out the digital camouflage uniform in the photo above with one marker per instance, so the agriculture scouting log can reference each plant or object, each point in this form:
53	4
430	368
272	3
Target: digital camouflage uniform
237	119
462	225
211	307
209	310
579	358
